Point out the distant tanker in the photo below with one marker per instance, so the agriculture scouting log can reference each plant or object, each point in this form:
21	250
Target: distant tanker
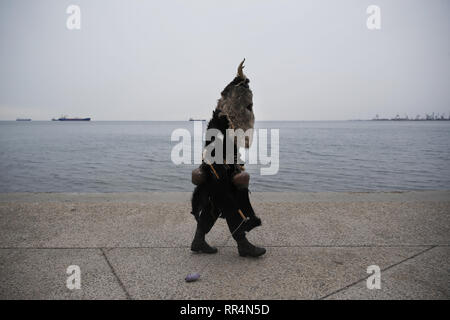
71	119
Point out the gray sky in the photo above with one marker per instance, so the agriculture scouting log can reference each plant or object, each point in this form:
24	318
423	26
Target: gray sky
169	60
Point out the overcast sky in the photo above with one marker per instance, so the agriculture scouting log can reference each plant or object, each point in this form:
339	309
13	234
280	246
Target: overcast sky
169	60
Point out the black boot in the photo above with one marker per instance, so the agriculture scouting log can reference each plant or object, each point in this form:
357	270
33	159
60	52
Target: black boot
199	243
245	248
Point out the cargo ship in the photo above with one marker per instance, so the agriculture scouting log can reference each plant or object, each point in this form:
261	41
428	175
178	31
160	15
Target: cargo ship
192	119
71	119
23	119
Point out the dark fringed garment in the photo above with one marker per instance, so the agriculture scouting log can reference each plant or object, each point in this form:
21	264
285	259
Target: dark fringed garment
220	197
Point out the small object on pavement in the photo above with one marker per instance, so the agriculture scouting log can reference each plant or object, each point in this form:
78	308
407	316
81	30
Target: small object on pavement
192	277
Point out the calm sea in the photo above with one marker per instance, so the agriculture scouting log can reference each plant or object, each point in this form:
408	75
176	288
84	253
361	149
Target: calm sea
135	156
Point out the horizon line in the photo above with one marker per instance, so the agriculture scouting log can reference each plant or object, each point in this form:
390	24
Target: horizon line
282	120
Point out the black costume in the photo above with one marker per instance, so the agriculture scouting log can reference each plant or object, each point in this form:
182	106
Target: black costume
222	197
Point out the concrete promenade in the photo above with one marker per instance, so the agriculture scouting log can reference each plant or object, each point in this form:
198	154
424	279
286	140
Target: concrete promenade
136	246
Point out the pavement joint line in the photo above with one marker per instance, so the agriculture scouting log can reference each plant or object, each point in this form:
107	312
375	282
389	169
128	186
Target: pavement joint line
267	246
382	270
127	294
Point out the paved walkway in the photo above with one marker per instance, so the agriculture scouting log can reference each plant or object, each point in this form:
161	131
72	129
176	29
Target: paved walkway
136	246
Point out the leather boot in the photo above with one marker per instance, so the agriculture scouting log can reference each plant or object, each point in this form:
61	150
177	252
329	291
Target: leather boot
199	243
245	248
